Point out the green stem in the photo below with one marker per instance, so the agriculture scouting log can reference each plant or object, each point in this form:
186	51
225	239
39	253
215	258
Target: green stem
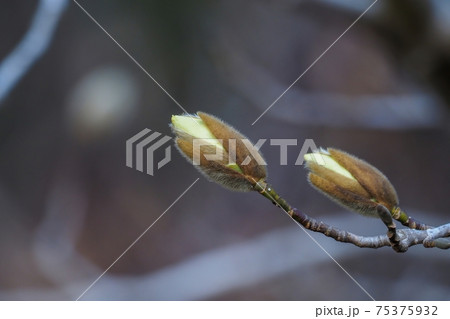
268	192
402	217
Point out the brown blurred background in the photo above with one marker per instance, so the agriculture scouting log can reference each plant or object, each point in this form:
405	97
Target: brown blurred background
69	206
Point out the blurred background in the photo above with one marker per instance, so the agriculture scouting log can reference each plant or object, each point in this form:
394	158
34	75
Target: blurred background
70	98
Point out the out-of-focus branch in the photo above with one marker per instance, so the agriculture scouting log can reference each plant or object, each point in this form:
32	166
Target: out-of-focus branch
381	111
32	46
249	257
196	277
55	237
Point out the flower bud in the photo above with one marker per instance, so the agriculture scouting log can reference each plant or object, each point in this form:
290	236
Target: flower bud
219	151
350	181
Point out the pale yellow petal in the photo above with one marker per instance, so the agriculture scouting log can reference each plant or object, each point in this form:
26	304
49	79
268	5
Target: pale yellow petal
324	159
195	127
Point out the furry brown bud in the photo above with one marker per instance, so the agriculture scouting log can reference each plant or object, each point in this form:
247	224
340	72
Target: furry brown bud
350	181
220	152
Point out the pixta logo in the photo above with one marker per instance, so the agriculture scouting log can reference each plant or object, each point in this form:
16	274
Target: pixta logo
143	146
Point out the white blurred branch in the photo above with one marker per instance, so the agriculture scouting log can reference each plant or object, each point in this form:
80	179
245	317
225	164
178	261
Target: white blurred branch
55	238
388	111
32	46
201	276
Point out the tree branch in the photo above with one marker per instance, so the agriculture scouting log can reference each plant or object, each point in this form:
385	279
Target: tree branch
399	240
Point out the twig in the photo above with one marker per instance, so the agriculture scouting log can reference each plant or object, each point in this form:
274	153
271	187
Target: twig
386	218
408	221
399	240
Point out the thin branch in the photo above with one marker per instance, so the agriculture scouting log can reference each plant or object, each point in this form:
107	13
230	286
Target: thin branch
399	240
408	221
435	237
386	218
